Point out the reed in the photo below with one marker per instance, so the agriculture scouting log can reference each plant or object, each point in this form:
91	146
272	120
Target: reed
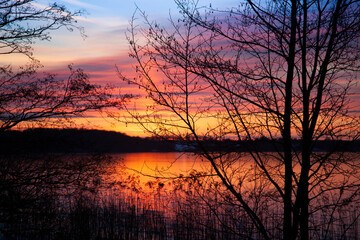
180	209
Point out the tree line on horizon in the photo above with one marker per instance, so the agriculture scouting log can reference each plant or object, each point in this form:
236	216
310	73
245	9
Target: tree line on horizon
276	71
50	141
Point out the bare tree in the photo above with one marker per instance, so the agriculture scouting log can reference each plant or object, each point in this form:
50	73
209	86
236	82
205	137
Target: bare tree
33	187
280	71
29	96
22	22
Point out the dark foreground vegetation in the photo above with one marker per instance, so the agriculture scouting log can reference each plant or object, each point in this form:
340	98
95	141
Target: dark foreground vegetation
43	140
68	198
83	197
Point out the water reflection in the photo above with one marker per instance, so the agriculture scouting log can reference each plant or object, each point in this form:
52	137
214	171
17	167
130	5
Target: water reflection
145	196
162	165
217	212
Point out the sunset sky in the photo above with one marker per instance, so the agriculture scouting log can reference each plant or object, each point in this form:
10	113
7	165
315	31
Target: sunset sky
104	47
105	23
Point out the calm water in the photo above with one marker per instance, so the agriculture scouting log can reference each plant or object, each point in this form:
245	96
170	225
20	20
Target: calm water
158	196
207	193
150	176
162	165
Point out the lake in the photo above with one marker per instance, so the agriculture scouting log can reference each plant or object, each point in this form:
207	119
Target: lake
156	196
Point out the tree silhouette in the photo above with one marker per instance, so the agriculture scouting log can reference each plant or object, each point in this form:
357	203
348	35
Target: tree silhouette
25	21
30	187
280	71
29	96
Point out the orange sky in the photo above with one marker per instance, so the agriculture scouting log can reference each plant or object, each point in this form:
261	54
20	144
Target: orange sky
104	48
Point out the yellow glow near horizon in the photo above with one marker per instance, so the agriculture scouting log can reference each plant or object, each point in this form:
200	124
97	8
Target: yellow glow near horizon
105	47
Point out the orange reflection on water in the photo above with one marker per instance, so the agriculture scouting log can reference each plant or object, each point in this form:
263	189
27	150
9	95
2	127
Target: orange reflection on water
148	180
152	165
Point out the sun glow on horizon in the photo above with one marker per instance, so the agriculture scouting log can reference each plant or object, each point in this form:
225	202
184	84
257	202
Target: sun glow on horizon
104	51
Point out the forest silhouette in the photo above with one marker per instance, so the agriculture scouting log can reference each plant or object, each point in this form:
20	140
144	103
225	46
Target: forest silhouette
258	96
47	141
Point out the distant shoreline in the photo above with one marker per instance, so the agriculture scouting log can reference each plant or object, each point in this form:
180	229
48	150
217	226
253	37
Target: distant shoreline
82	141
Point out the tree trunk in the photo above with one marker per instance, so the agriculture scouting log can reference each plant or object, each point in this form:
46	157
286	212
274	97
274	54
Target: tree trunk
287	225
306	136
